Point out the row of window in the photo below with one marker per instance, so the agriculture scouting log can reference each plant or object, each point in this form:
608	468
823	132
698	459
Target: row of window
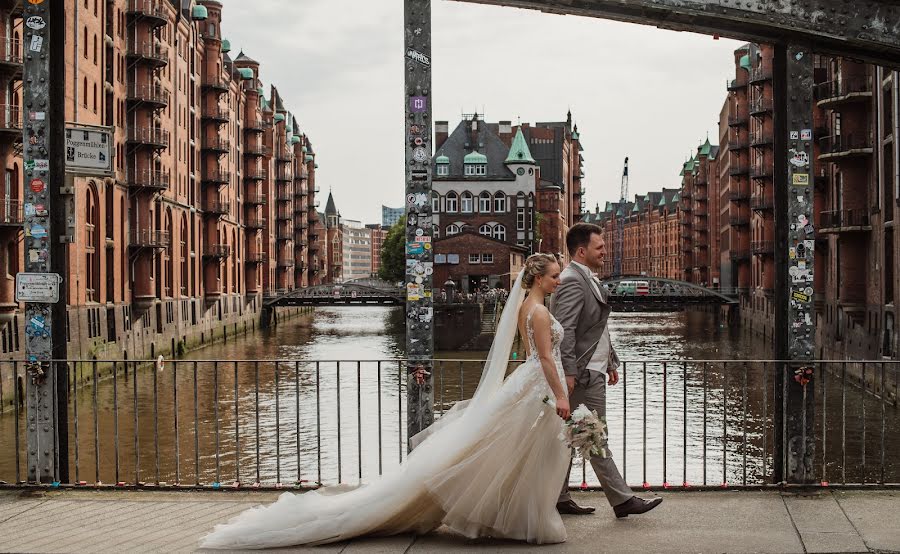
443	170
496	231
465	203
481	258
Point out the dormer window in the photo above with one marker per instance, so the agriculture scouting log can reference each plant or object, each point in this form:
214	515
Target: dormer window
475	164
476	169
442	166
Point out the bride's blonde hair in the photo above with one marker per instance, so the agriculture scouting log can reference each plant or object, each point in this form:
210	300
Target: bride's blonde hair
536	264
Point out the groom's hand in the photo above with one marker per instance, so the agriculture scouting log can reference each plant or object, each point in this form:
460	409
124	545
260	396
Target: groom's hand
570	383
613	376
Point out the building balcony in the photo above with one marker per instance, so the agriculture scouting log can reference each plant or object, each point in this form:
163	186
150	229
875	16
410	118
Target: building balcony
701	227
216	145
701	195
217	177
313	246
759	202
737	169
734	85
687	247
146	179
153	137
843	91
300	191
284	157
844	146
11	213
216	252
760	139
155	95
738	144
762	247
760	107
149	238
284	215
11	120
156	55
282	175
152	11
739	255
254	223
284	196
739	220
255	258
285	264
218	208
301	265
701	178
855	220
760	74
760	171
739	194
300	209
256	126
257	150
255	200
285	234
216	114
686	233
256	175
216	84
737	120
11	54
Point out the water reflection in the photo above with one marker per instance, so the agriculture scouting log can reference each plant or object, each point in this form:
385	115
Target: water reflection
309	422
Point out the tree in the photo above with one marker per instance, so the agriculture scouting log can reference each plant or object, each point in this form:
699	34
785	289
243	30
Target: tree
393	253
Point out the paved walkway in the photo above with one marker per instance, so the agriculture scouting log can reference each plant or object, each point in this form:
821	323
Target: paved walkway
830	521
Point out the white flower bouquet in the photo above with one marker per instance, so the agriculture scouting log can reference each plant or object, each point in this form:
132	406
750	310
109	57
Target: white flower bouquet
584	432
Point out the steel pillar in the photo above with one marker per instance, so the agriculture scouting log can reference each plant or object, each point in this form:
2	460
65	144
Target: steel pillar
419	256
794	250
40	286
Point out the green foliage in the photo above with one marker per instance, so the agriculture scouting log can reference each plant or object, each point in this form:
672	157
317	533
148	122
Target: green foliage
393	253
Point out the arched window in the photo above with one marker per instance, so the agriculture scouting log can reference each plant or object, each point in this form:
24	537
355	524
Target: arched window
435	231
452	229
500	232
95	97
170	258
184	254
84	92
484	202
92	244
96	59
500	203
452	202
485	230
435	202
467	202
84	41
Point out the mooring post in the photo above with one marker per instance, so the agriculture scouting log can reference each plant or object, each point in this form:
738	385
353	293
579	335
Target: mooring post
417	100
794	250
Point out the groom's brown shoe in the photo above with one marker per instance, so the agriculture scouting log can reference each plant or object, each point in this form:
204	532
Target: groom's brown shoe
635	505
570	507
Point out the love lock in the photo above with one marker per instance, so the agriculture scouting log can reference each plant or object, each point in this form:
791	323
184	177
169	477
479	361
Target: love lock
37	371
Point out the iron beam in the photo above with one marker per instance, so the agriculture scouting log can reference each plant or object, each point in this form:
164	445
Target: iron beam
865	30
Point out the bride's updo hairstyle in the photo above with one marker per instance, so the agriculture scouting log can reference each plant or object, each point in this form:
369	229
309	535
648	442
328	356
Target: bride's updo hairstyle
536	264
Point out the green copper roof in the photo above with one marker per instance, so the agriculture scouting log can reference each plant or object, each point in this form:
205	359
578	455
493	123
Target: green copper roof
705	147
745	61
279	117
442	160
304	150
647	197
295	139
635	208
226	45
199	13
518	152
475	157
316	166
246	73
261	91
677	197
309	158
575	135
662	201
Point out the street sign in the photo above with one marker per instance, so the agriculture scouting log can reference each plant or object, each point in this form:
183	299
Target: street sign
88	149
38	287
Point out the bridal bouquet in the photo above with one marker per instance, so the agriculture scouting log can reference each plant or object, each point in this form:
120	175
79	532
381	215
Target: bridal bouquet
584	431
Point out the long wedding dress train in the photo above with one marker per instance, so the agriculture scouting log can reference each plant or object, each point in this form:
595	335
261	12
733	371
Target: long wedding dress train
490	467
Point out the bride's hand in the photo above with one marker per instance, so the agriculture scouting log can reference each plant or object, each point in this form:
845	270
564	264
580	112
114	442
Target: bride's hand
562	408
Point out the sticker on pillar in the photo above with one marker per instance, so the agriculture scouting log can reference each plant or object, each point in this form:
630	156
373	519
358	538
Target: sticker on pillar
801	179
40	210
809	229
802	219
423	239
427	293
411	219
38	231
415	56
37	186
809	244
28	210
418	199
28	165
795	135
35	2
799	158
792	252
806	134
35	22
801	251
413	291
41	165
418	104
799	56
415	129
37	116
420	155
37	43
415	248
426	315
799	296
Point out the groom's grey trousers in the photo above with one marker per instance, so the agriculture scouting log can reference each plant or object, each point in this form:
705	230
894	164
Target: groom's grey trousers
593	395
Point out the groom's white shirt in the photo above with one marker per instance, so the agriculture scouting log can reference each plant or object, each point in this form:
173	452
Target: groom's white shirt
599	362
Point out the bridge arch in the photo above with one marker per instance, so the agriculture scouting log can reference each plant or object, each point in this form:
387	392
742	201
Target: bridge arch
667	287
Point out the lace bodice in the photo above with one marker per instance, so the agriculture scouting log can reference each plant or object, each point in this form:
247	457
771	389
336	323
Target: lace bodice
556	336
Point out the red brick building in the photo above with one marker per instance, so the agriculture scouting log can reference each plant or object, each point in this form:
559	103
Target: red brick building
476	261
212	186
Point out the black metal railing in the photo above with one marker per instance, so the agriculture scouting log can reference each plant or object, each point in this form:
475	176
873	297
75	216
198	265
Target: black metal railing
152	136
737	169
151	9
216	251
845	144
839	88
739	220
760	74
761	247
217	113
216	144
11	51
150	238
760	106
10	118
11	212
217	207
737	119
151	51
214	424
739	254
153	94
841	219
148	179
739	193
761	202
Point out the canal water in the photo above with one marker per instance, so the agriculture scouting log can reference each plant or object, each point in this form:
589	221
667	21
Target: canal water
321	399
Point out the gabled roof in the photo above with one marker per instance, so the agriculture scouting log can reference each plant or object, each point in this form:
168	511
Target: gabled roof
245	58
330	208
461	143
519	152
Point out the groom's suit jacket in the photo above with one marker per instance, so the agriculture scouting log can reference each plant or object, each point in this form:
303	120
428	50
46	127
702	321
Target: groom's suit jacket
583	314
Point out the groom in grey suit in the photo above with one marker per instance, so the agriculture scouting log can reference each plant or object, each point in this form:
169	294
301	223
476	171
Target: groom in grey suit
589	360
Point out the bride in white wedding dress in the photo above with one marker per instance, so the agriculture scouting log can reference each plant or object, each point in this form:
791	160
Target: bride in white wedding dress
490	467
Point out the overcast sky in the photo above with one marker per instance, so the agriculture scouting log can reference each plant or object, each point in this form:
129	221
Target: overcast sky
649	94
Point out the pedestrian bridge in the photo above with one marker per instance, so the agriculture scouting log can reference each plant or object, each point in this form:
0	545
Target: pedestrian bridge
360	292
641	293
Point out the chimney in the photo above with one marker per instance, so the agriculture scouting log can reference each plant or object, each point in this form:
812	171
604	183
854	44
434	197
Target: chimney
441	131
506	132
